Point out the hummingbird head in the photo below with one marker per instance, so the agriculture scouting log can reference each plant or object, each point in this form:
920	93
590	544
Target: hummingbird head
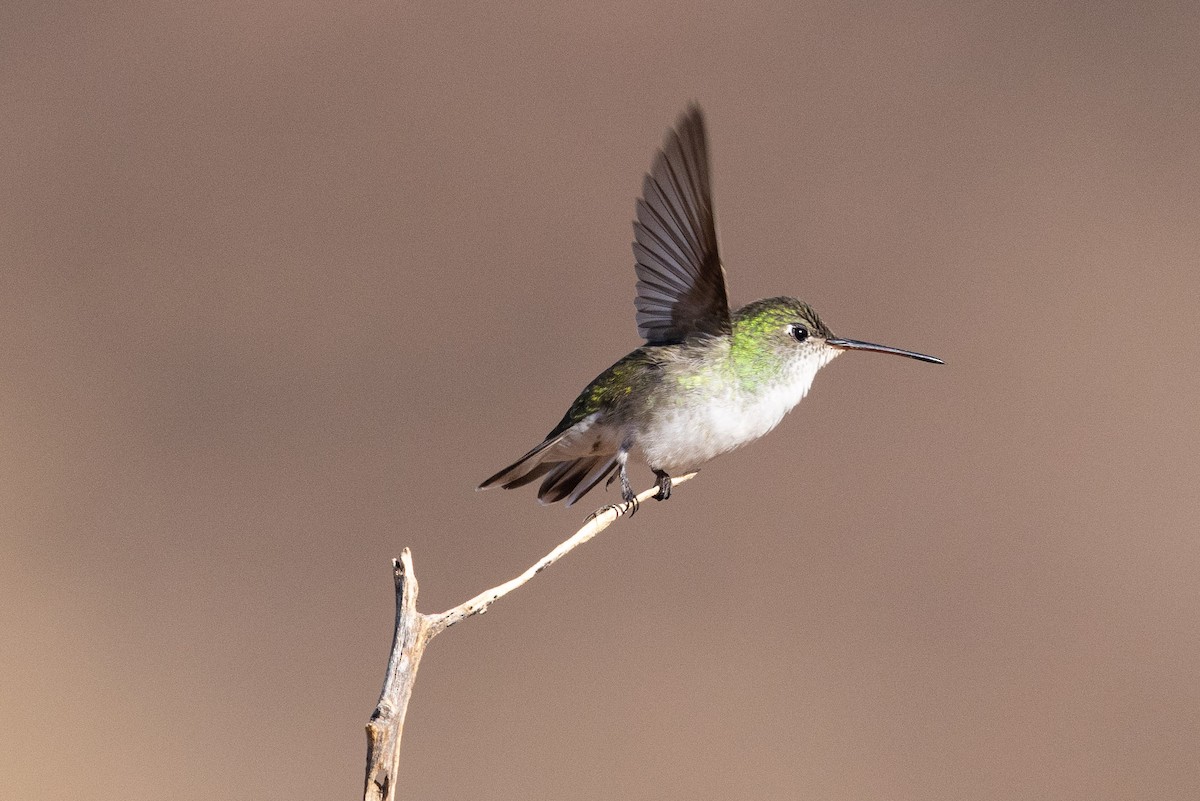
785	338
779	340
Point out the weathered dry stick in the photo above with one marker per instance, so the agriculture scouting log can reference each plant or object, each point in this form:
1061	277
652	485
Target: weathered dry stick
414	630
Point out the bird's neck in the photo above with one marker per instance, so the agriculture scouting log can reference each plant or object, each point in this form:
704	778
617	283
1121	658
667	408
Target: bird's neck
755	365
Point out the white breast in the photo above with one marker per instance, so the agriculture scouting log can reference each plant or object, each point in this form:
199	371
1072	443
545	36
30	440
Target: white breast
682	438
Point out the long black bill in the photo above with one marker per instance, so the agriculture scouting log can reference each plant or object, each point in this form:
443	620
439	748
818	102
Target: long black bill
855	344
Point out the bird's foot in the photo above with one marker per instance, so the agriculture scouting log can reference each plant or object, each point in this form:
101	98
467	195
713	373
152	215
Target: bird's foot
664	486
630	505
628	495
627	508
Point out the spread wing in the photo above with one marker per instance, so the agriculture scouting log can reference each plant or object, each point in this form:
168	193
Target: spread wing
681	285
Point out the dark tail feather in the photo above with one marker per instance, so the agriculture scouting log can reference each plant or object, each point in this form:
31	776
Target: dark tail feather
574	478
530	477
529	467
592	480
562	479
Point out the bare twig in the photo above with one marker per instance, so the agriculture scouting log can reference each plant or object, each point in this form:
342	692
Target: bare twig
414	630
387	721
594	525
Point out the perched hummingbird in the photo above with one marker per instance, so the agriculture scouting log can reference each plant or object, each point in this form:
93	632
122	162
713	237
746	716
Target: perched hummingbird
708	380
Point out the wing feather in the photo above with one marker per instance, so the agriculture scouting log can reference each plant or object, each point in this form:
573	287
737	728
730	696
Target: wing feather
681	285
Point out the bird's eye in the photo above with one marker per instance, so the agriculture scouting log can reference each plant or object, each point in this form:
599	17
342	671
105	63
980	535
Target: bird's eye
798	332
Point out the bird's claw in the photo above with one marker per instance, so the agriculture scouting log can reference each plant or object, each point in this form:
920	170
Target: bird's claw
664	486
627	508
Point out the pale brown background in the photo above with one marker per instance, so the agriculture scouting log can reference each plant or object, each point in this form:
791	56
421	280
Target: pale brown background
283	281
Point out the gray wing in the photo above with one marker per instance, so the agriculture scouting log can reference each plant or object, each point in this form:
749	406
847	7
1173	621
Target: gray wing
681	285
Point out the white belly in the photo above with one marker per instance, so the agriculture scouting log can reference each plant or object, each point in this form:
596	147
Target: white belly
680	438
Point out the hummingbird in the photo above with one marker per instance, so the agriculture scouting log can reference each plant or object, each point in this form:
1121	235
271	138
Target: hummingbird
709	379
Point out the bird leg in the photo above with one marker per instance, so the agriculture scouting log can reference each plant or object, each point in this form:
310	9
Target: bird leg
627	493
664	485
631	502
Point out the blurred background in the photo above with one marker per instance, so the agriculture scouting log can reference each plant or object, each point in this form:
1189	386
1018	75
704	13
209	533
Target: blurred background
281	282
